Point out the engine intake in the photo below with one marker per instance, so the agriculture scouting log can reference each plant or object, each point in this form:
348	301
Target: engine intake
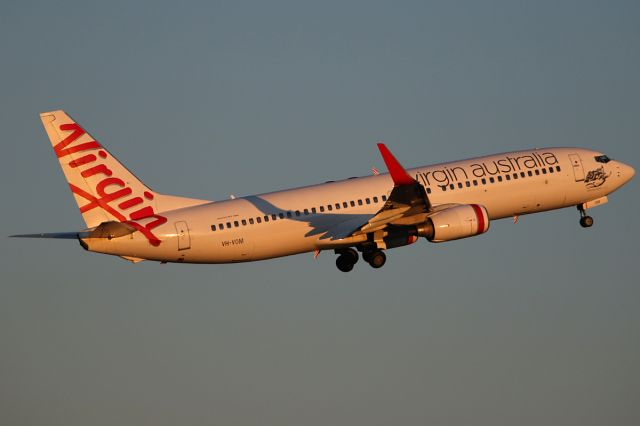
454	223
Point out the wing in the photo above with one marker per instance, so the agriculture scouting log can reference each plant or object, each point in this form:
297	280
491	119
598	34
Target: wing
407	204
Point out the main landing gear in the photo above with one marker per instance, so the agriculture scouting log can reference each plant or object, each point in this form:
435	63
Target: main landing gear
375	258
585	220
349	257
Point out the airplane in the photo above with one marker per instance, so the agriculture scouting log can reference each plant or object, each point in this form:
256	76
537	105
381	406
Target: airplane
356	217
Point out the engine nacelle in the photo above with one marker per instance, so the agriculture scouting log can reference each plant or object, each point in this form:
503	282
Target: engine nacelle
455	223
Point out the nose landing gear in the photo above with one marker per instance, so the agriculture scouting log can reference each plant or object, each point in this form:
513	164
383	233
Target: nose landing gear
586	221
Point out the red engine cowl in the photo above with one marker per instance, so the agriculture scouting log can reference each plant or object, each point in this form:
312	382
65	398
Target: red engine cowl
455	223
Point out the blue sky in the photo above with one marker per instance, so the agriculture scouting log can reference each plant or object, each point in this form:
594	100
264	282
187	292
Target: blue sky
534	323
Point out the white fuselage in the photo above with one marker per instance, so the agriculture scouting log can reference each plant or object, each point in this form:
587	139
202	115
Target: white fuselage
244	229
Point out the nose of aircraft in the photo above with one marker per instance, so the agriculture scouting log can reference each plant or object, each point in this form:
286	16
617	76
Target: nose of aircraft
625	172
628	171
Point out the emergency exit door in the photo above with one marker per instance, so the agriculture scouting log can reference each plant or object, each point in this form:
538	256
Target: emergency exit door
184	240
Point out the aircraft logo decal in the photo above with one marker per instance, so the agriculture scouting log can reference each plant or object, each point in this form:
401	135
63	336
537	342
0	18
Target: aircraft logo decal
110	189
596	178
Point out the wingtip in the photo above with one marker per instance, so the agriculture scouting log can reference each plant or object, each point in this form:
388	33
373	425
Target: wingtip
383	148
397	172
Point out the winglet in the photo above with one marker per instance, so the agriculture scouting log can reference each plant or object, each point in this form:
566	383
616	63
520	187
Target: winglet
398	173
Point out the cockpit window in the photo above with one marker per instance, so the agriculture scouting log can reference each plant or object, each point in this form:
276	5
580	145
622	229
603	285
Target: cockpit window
602	159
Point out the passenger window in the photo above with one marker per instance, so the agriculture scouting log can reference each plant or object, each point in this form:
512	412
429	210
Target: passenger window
522	174
259	219
557	168
221	226
443	187
375	199
475	182
235	223
460	185
250	221
367	200
550	169
491	179
345	205
306	211
359	202
544	171
289	214
451	186
274	216
329	207
529	173
213	227
515	176
468	184
484	181
537	172
499	178
297	212
337	206
353	203
428	190
321	209
228	225
507	177
244	222
384	198
313	210
281	214
266	218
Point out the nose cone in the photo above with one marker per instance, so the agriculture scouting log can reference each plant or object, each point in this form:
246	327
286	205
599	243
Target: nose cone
627	172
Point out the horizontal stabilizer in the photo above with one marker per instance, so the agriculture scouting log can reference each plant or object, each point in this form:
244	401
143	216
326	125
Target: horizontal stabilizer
111	230
59	235
108	230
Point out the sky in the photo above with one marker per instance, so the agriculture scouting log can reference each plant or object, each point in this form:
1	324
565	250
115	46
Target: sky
528	324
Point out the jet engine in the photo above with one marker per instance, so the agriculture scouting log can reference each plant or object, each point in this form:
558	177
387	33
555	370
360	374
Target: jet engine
455	222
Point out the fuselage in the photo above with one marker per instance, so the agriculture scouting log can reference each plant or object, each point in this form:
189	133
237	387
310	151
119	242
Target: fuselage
314	217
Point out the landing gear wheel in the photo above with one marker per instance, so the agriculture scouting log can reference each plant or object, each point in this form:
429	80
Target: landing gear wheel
346	260
586	221
344	263
377	259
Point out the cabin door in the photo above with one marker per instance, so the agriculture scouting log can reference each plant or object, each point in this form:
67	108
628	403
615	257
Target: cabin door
576	163
182	231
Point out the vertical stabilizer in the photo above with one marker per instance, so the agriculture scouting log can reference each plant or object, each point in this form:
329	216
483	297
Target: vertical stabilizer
103	188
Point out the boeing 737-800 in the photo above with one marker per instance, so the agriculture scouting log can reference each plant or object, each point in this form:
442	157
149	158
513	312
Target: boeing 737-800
366	215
